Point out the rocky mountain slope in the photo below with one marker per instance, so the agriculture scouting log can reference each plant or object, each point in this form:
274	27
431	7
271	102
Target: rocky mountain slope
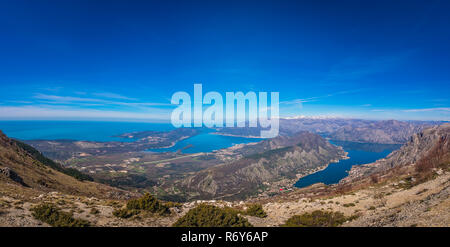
431	144
24	170
278	159
388	132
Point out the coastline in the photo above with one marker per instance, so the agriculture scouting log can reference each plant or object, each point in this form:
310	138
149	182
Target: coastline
172	144
242	136
286	184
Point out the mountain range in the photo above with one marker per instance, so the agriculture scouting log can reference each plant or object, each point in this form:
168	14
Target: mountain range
354	130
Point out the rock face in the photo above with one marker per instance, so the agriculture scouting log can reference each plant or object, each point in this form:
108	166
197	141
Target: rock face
286	157
421	145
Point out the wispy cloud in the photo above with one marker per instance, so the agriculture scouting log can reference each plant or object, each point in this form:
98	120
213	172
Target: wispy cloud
56	99
112	96
65	99
84	105
445	109
41	112
317	98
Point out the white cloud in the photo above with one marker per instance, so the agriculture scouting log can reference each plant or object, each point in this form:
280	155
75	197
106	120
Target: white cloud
38	112
55	99
112	96
446	109
316	98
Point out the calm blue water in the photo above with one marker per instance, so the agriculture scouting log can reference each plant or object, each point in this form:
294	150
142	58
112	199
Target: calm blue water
104	131
359	153
206	142
73	130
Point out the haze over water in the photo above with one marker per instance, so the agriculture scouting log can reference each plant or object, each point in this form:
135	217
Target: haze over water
106	131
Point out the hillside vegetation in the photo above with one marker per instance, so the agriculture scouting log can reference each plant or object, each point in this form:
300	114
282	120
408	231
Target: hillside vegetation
211	216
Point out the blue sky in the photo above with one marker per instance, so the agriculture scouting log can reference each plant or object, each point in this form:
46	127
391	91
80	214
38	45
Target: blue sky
124	59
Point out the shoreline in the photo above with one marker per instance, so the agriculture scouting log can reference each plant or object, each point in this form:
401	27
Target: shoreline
242	136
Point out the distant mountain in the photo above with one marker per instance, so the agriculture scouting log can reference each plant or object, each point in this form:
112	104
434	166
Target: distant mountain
388	132
264	164
354	130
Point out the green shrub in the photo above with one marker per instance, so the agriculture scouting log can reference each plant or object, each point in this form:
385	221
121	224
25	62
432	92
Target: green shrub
174	204
148	203
256	210
53	216
317	219
349	205
211	216
125	213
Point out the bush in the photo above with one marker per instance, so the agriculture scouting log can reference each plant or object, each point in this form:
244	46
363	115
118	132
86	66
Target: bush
53	216
174	204
125	213
148	203
211	216
317	219
256	210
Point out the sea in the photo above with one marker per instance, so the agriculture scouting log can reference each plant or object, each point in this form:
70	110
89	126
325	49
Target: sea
206	141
